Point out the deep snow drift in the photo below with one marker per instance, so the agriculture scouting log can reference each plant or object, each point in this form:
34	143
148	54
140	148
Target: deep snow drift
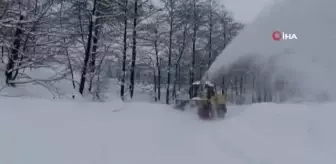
47	132
307	63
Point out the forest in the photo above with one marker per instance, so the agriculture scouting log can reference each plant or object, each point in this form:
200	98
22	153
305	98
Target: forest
165	44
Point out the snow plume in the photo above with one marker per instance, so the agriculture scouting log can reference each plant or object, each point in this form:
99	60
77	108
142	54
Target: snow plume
307	63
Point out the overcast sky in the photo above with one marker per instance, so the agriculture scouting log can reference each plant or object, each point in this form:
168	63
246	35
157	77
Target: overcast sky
245	10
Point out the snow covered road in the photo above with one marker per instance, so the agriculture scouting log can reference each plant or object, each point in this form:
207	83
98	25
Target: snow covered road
47	132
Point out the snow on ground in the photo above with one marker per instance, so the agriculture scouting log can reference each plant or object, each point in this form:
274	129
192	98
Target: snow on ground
36	131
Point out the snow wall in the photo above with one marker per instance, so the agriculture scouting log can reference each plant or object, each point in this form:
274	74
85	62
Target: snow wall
308	63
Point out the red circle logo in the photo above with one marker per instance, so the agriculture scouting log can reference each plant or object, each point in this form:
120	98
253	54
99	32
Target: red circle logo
276	35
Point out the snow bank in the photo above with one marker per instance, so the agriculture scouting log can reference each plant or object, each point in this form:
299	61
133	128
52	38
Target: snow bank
50	132
44	88
309	60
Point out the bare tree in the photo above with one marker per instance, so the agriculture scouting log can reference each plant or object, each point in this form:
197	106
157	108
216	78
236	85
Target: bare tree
122	88
134	46
88	52
181	51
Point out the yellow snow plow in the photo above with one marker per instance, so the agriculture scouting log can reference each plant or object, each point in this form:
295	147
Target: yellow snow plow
209	102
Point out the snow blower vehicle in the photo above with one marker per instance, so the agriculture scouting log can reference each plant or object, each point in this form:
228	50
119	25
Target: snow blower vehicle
210	104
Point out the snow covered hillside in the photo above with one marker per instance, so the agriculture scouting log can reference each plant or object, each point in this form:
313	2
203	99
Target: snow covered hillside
65	132
307	62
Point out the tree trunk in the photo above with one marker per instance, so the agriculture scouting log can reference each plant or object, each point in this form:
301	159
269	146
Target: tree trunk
66	50
159	84
87	51
175	81
158	69
71	68
177	64
131	88
236	85
94	53
192	71
2	54
179	77
170	50
210	34
14	54
122	86
223	85
225	40
253	89
155	84
241	85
